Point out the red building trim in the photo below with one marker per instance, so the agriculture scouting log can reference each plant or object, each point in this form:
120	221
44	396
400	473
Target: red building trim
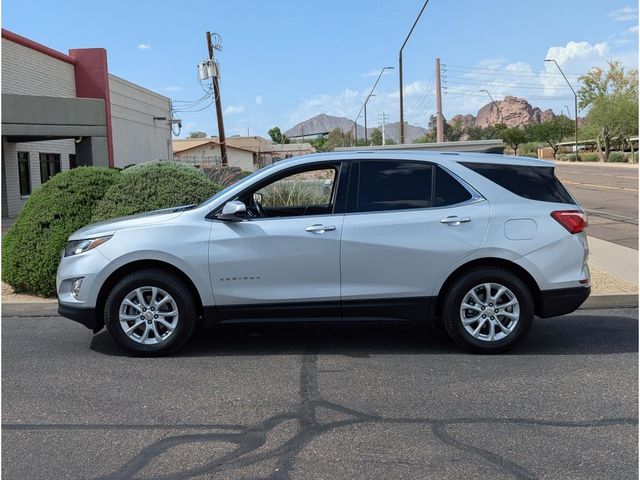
92	81
25	42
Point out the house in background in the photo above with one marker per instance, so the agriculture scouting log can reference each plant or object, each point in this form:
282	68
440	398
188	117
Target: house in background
63	110
264	152
202	151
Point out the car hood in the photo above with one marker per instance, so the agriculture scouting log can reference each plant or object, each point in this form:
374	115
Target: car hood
110	226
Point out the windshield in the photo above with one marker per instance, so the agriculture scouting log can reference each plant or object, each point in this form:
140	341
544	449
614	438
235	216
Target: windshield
234	185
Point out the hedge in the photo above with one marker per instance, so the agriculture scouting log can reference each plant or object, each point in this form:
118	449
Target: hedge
152	186
31	248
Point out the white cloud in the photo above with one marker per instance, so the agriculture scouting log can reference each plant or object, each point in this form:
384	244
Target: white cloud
633	29
144	46
232	109
172	88
624	14
574	57
259	100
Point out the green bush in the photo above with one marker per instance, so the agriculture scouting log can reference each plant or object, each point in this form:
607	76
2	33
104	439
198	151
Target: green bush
152	186
31	249
589	157
224	176
617	157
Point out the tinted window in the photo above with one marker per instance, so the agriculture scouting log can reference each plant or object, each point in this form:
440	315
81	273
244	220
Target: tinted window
24	173
448	190
534	183
391	185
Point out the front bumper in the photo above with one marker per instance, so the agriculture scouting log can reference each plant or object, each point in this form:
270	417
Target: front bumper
558	302
87	316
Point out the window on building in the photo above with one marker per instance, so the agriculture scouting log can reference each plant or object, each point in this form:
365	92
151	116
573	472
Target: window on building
24	172
49	165
394	185
73	163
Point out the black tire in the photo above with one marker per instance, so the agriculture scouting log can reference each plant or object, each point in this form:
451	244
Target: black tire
174	286
453	302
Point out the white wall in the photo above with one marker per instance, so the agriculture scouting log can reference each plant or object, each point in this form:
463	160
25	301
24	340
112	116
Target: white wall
209	153
29	72
10	159
137	138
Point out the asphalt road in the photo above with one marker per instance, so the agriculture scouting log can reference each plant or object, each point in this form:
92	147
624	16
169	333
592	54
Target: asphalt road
321	402
610	195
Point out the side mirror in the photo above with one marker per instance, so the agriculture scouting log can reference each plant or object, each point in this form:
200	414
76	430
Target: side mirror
234	211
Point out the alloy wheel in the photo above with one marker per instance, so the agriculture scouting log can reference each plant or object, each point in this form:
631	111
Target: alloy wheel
148	315
489	312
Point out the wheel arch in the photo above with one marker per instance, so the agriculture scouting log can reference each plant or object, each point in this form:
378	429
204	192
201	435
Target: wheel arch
137	265
512	267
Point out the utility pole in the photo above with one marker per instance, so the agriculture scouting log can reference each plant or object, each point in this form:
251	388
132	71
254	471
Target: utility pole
439	117
400	71
216	92
384	124
575	98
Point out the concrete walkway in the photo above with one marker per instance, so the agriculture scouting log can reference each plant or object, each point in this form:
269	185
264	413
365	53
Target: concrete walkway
616	260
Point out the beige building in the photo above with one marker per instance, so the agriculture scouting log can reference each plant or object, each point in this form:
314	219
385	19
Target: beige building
263	151
199	151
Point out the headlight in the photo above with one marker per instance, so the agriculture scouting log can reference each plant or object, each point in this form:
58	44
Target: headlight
75	247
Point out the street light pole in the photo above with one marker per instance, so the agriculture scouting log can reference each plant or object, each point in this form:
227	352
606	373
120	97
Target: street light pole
496	105
366	142
400	72
575	101
364	106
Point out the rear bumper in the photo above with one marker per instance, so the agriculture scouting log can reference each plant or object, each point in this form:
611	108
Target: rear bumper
85	316
561	301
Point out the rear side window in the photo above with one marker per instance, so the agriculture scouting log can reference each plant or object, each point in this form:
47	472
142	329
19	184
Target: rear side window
449	191
534	183
394	185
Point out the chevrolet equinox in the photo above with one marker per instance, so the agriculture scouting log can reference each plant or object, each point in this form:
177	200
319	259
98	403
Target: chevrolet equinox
479	242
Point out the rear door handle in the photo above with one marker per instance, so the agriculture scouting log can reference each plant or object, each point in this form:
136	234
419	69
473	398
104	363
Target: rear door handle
320	228
453	220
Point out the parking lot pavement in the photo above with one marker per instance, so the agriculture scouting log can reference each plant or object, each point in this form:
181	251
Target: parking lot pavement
609	193
318	401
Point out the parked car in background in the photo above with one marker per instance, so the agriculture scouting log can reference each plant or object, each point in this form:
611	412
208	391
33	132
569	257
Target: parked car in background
479	242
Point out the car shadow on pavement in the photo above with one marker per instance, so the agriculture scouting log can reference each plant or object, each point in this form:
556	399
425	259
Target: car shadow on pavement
578	334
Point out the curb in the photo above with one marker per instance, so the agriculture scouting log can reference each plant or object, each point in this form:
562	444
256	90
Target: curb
50	309
624	300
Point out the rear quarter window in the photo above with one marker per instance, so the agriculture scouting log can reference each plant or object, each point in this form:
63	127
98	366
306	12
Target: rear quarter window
534	183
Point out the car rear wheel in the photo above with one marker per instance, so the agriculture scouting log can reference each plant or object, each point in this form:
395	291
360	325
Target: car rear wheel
150	312
488	310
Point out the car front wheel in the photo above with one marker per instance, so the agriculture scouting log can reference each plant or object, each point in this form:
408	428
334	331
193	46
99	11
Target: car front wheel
150	312
488	310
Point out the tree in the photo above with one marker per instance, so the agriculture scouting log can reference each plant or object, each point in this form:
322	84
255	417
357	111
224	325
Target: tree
277	136
514	137
337	138
550	132
613	100
197	134
376	137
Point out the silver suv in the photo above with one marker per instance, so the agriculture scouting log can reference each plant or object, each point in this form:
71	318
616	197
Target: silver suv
479	242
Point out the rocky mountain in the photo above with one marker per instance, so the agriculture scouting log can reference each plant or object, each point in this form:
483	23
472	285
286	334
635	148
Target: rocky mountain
515	112
326	123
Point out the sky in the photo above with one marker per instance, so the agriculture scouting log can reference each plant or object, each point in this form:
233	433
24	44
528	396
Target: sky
285	61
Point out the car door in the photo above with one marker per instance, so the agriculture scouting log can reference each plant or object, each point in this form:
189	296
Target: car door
407	222
283	261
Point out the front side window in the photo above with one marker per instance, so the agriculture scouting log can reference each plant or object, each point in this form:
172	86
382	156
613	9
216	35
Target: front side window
49	165
305	193
393	185
24	172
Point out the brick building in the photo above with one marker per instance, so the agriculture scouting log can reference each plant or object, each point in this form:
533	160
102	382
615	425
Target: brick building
63	110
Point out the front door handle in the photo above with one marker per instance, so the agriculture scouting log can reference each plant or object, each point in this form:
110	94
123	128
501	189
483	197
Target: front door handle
453	220
320	228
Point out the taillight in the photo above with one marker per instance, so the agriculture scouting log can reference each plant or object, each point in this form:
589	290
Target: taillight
574	221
